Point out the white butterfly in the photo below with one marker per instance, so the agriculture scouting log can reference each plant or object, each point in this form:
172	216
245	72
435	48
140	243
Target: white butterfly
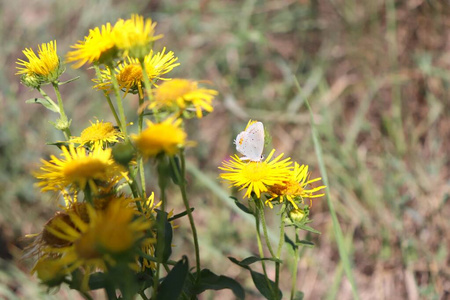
250	142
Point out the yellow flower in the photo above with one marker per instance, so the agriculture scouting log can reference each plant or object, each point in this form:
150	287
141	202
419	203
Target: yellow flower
179	94
99	134
97	47
134	36
93	243
294	187
41	68
256	176
77	168
129	73
165	137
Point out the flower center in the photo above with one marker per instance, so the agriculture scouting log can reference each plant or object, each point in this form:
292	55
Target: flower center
171	90
130	75
255	171
86	167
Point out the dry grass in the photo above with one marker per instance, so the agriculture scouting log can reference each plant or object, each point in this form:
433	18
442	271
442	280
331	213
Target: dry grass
377	77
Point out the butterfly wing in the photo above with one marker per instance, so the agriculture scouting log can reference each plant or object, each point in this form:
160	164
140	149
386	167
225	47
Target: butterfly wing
250	142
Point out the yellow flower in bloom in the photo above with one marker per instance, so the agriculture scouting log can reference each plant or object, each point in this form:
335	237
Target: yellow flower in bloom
135	35
99	134
78	168
97	47
181	94
41	68
129	73
295	187
165	137
256	176
93	243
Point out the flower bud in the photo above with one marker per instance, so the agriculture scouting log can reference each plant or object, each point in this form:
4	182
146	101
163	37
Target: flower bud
297	215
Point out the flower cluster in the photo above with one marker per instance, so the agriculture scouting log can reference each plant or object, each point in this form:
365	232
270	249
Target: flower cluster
109	233
279	178
110	227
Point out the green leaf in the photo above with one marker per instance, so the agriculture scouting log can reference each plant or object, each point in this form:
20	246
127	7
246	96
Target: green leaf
180	215
164	236
299	295
288	241
252	259
173	173
173	283
237	262
145	279
45	102
58	144
307	228
211	281
265	286
305	243
97	281
241	206
67	81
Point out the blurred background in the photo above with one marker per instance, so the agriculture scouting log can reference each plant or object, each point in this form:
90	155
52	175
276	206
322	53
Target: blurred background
377	78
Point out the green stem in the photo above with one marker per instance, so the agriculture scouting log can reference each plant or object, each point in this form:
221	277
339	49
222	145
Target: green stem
88	195
86	295
260	247
108	99
142	294
162	182
155	259
135	190
182	185
294	271
123	121
148	88
44	94
280	247
141	160
62	113
260	208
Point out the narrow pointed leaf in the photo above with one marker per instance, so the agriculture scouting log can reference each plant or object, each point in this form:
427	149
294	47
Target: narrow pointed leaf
172	285
211	281
262	284
46	103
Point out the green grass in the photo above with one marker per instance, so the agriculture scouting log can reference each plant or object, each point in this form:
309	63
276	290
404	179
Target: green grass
376	78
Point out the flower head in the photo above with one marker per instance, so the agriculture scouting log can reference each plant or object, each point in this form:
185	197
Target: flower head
179	94
77	168
165	137
42	68
294	188
134	36
93	242
99	134
256	176
130	76
98	47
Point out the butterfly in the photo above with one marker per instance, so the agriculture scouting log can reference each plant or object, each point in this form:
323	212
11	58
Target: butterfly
250	142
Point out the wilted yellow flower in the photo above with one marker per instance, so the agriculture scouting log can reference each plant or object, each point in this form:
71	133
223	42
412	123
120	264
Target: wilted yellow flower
256	176
179	94
99	134
130	76
135	35
98	47
91	243
41	68
294	188
165	137
78	168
